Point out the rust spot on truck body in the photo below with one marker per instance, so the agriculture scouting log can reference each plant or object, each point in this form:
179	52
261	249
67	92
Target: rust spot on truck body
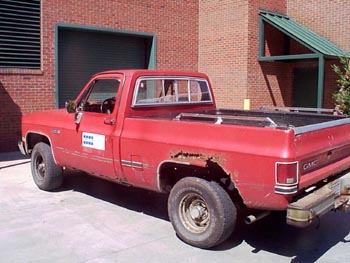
189	156
196	157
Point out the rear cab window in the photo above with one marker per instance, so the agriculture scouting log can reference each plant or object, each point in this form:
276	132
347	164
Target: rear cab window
164	91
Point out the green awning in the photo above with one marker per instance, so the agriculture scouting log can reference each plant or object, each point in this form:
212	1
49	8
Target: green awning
320	48
304	36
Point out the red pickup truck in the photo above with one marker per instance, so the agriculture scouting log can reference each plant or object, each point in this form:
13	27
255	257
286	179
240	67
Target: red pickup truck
161	130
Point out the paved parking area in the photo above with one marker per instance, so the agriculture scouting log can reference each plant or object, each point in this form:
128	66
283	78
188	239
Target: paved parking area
90	220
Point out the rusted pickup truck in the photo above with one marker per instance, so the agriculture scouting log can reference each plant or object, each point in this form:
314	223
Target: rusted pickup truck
161	130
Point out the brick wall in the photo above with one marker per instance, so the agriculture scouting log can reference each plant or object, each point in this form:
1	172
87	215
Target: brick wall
228	48
318	16
175	24
20	93
223	40
228	52
219	38
330	19
265	78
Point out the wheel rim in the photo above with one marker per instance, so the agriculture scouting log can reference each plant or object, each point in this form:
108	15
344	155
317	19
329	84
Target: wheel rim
194	213
40	167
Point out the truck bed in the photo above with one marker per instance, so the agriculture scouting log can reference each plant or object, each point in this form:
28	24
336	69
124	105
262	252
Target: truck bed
299	121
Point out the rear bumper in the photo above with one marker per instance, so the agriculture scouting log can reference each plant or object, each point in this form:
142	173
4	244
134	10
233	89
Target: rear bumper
333	195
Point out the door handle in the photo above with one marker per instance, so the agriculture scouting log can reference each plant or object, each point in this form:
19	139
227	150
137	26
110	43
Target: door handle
109	121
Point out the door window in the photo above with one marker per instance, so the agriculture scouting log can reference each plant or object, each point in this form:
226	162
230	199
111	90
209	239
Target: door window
100	97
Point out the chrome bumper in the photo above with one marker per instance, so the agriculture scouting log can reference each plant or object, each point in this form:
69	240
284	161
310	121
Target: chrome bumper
21	147
333	195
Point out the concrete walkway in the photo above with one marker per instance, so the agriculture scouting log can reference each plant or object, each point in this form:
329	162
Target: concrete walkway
90	220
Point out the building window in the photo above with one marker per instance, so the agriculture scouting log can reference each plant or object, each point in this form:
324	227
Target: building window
20	34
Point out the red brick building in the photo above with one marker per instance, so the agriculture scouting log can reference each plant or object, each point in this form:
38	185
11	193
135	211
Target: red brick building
229	51
48	49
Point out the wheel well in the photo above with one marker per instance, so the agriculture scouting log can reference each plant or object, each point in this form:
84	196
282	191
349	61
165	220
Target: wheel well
171	172
34	138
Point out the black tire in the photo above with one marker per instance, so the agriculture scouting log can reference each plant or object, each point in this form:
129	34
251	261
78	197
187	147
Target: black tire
46	174
201	212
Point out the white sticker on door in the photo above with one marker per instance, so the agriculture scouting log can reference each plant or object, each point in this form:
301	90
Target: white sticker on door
92	140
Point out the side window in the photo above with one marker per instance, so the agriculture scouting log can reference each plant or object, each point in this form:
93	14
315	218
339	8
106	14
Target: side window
100	97
165	91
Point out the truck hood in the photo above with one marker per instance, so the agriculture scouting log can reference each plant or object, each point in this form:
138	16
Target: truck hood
44	117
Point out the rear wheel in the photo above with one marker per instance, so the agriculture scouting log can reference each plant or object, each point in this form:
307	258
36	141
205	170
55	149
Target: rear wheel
46	174
202	213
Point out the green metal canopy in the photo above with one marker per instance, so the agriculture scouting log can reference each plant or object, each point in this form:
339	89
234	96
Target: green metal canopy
320	48
301	34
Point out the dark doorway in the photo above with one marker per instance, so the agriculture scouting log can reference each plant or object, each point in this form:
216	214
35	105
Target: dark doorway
82	53
305	87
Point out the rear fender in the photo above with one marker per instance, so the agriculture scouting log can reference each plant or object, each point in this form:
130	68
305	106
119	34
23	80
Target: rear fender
170	172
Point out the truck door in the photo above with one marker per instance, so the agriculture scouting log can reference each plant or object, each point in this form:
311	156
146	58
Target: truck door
89	143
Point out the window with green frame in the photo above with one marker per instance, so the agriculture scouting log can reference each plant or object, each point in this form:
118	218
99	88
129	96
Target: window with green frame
20	34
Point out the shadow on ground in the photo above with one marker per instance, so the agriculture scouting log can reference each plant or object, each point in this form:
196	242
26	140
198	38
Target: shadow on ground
140	200
302	245
10	159
12	156
269	234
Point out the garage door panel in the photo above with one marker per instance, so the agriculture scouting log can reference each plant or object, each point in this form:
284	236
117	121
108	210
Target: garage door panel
82	53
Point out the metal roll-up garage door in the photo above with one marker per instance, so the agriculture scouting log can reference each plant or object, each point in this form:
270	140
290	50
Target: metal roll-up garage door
82	53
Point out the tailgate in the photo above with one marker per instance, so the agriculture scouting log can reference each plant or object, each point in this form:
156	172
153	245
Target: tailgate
323	154
322	150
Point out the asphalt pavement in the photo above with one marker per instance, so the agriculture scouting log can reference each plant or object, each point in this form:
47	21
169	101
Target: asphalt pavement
91	220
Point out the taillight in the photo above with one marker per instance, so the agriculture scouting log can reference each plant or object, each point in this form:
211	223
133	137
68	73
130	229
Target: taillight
286	176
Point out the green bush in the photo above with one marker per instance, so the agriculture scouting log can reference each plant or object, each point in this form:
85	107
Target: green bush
342	95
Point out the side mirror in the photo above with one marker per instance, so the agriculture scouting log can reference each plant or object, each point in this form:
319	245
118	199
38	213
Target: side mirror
71	106
78	117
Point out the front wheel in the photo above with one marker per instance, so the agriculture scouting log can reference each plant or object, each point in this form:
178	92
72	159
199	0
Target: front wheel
201	212
46	173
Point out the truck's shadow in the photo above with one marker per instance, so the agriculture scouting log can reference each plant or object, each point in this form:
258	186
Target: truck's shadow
140	200
301	245
269	234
